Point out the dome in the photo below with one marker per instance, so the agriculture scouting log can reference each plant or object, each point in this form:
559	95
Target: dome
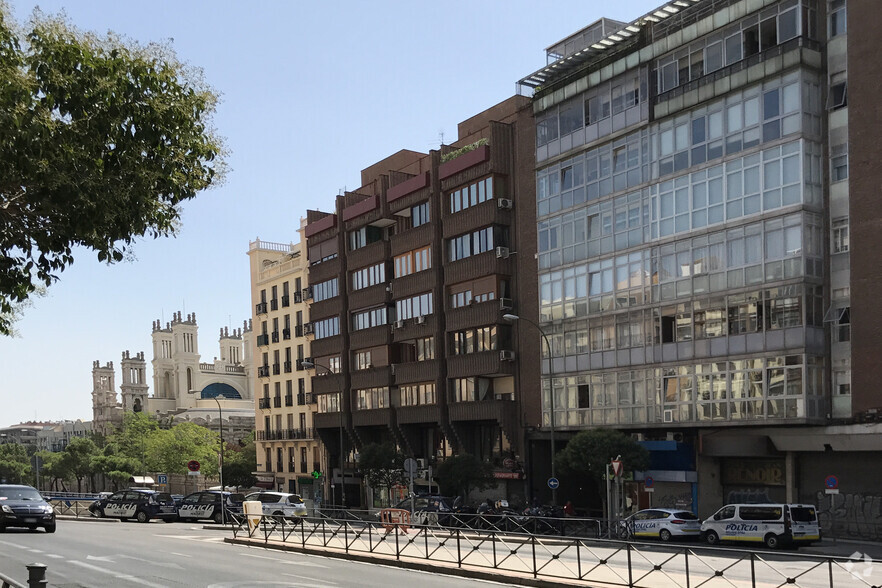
217	389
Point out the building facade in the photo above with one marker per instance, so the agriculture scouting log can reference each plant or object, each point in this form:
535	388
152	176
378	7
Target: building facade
696	270
409	279
288	450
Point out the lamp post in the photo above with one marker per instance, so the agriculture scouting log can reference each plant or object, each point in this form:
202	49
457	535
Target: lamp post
312	365
220	472
512	318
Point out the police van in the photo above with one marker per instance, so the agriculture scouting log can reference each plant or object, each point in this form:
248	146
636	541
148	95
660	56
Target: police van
140	504
772	524
207	505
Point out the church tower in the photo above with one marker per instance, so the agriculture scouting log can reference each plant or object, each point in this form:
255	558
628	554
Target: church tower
134	385
106	412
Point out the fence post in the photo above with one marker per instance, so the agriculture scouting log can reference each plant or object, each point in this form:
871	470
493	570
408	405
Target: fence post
630	572
686	562
533	547
752	571
37	575
458	552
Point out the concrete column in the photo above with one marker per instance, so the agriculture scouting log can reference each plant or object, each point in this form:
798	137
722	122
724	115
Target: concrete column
790	477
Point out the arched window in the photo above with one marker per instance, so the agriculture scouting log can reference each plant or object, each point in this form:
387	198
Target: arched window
189	379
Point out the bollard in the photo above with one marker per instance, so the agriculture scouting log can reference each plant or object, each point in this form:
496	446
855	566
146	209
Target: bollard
37	575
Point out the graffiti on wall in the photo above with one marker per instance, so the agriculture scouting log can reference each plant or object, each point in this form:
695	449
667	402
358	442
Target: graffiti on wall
673	500
855	516
748	496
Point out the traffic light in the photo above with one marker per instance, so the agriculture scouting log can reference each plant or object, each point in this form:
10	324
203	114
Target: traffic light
316	474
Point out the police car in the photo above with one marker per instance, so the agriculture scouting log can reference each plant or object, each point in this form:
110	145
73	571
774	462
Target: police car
207	505
661	523
772	524
290	506
140	504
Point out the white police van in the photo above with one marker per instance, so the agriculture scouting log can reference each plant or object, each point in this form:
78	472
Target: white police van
772	524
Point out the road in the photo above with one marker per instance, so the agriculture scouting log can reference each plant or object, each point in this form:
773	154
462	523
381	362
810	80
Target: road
97	554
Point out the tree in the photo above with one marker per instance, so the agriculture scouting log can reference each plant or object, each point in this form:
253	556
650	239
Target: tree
588	453
460	474
15	466
239	463
169	450
101	140
118	468
381	465
76	459
131	439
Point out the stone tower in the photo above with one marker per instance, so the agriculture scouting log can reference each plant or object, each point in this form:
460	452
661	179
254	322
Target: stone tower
106	411
134	384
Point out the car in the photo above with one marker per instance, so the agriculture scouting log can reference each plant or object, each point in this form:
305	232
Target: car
24	506
139	503
428	509
290	506
775	525
660	523
207	505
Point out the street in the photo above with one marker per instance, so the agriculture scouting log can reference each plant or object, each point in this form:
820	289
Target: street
94	554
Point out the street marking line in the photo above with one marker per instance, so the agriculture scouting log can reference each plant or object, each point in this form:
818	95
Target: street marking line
317	583
179	554
114	574
36	551
54	556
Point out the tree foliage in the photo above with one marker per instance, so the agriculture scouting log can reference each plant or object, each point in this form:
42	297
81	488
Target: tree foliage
460	474
101	140
589	452
15	466
381	465
239	463
169	450
76	459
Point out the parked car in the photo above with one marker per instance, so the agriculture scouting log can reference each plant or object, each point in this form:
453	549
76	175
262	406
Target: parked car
24	506
207	505
772	524
661	523
138	503
290	506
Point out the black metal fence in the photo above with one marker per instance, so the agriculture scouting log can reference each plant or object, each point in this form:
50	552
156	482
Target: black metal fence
594	562
36	577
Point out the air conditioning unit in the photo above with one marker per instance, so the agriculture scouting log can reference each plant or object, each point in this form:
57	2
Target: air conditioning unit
504	203
399	324
505	304
308	329
637	437
389	288
674	436
421	320
502	252
421	463
669	416
307	293
309	398
506	355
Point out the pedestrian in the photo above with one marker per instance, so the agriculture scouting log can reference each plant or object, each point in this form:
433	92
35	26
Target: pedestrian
568	509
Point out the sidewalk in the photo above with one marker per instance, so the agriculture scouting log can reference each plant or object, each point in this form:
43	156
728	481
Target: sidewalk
845	548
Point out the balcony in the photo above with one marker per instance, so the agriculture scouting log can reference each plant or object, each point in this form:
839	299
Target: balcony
263	403
285	434
274	304
260	308
277	369
277	402
275	336
298	331
286	301
289	400
286	334
287	367
263	371
262	340
298	297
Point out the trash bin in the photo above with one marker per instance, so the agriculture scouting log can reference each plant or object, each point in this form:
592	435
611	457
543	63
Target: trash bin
253	510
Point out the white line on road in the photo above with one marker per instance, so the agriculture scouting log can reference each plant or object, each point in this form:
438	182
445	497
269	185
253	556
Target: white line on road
36	551
315	582
179	554
15	545
126	577
54	556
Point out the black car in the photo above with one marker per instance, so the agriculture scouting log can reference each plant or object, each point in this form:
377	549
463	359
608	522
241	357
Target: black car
138	503
24	506
207	505
430	509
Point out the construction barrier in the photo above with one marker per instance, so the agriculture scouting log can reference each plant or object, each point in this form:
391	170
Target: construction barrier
395	518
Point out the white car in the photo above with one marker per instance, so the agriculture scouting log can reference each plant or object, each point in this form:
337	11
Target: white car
290	506
660	523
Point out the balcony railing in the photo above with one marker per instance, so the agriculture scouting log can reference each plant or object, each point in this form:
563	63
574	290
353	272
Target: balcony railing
287	367
285	434
263	371
298	331
286	301
277	402
289	400
277	369
274	304
263	402
262	340
286	334
275	336
260	308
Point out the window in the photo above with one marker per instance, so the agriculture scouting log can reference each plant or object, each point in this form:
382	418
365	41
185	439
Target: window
472	195
419	214
369	276
472	389
838	97
413	307
328	402
366	319
476	340
481	290
363	360
372	398
364	236
417	394
840	235
598	108
422	349
327	327
475	243
324	290
413	261
838	24
839	163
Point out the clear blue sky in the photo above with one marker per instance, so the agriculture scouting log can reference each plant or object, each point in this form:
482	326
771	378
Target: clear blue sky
312	93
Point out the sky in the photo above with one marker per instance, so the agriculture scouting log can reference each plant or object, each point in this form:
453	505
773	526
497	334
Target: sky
311	94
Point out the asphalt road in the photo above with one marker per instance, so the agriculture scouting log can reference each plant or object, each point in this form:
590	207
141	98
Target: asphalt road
96	554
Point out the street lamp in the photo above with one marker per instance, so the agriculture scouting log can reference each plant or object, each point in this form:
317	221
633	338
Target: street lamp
312	365
512	318
220	473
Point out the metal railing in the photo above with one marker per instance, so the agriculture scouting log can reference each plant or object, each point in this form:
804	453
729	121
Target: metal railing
72	506
36	577
594	562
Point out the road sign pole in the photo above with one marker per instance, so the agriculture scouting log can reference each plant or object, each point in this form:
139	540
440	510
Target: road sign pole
608	505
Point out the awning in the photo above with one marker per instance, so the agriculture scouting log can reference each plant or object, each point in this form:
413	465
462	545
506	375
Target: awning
142	480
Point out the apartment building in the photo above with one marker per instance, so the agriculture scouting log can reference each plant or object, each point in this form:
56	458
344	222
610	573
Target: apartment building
288	451
707	226
410	277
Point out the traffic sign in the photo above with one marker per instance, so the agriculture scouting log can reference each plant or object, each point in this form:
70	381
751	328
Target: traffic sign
617	467
553	483
648	482
831	485
410	465
162	479
193	465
